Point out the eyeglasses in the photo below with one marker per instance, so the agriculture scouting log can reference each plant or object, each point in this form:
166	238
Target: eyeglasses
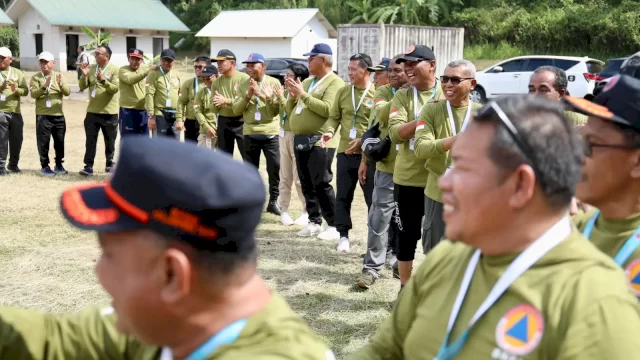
588	147
513	131
97	53
198	67
455	80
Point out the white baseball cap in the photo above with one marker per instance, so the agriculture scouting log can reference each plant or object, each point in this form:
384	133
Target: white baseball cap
45	55
5	52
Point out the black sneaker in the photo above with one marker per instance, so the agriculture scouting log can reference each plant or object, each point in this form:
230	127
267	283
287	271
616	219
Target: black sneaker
59	169
273	208
46	171
87	171
14	169
109	169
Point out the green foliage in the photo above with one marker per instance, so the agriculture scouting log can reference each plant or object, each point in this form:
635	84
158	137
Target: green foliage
9	38
97	40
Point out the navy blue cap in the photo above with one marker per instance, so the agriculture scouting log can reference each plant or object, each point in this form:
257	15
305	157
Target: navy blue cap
383	66
618	101
320	49
168	54
254	58
204	198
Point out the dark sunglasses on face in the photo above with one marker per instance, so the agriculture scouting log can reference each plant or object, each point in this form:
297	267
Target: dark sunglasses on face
455	80
198	67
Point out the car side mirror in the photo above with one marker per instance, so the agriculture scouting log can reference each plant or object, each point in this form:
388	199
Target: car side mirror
497	69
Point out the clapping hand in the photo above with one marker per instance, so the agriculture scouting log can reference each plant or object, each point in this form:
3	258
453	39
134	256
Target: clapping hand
59	80
219	100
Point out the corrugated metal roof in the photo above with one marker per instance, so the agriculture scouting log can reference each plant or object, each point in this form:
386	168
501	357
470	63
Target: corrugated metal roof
4	19
120	14
263	23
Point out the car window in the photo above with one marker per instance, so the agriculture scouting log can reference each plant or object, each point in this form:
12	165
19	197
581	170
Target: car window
612	68
533	64
564	64
276	64
513	66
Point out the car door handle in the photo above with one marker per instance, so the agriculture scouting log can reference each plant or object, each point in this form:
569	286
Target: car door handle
516	75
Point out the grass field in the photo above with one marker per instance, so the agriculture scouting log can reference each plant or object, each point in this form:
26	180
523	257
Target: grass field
48	265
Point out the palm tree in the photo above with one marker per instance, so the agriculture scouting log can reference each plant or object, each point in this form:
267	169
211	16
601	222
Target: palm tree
97	40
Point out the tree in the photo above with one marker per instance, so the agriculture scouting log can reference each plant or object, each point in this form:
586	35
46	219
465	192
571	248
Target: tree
97	40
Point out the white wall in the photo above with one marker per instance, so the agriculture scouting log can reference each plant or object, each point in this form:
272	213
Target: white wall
241	47
312	33
29	24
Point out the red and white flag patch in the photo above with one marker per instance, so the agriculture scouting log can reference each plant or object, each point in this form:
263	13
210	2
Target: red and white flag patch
393	112
420	125
379	100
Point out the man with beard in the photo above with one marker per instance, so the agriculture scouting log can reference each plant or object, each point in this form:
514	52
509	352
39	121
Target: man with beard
382	229
551	82
260	113
190	89
517	280
225	92
437	130
161	99
410	175
350	114
611	173
133	115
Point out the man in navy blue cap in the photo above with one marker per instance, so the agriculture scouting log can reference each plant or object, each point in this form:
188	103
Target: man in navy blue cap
381	72
179	260
309	106
611	172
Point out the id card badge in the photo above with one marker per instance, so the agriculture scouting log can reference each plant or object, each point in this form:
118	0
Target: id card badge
298	109
168	103
48	103
3	97
93	94
397	147
282	133
412	143
258	116
353	133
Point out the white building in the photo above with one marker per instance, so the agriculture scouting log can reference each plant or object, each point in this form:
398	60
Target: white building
285	33
56	26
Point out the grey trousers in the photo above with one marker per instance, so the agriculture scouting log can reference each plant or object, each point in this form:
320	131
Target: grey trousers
380	213
433	227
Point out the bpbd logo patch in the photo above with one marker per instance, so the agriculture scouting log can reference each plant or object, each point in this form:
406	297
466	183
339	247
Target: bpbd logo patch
520	330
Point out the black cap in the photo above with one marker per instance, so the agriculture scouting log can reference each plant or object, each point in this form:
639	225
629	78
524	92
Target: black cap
205	198
383	66
373	147
417	53
619	101
364	57
168	54
225	54
209	70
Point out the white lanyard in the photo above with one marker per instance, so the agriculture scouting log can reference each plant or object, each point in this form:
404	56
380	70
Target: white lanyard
552	237
314	84
196	85
353	100
452	122
45	79
416	111
8	75
167	83
95	84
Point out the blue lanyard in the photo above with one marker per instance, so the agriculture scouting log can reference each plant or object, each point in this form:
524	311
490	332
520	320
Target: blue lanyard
393	90
225	336
167	83
284	113
627	249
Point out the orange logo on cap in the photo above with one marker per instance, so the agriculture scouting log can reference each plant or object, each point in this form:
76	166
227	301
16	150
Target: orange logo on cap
185	221
411	49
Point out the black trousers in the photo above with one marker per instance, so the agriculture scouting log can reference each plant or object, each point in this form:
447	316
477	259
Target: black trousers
409	211
166	126
314	170
11	134
93	124
367	188
191	130
48	126
347	181
230	130
270	146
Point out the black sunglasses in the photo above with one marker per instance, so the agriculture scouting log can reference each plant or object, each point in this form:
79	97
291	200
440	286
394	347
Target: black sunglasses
512	130
455	80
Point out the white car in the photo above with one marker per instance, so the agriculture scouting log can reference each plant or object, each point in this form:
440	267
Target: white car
511	77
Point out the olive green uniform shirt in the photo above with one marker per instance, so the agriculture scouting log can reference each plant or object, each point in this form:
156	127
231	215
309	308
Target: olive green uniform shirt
380	114
275	332
228	86
573	304
156	95
268	109
106	99
315	107
576	118
610	235
190	89
433	127
132	87
342	114
204	110
284	116
51	95
409	170
11	102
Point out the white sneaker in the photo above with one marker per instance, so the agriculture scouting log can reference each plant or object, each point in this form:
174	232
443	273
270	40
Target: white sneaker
343	245
303	220
310	230
286	219
330	233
